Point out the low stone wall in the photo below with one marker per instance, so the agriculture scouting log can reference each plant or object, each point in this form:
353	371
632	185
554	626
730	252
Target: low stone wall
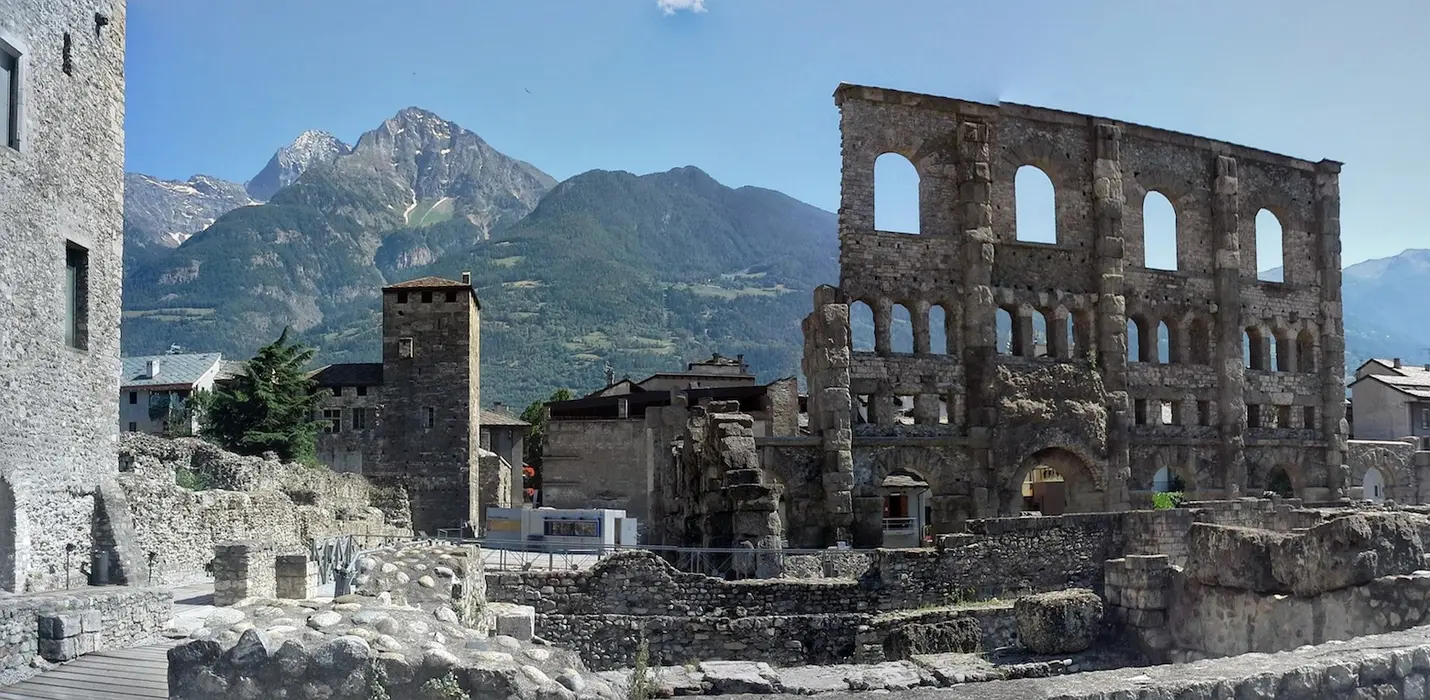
121	616
243	570
242	498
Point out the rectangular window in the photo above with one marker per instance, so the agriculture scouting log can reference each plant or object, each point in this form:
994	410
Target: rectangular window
404	347
571	528
402	297
1425	417
451	296
1308	417
337	391
76	297
362	391
359	419
1253	416
1204	413
133	427
427	297
429	417
133	397
10	98
333	418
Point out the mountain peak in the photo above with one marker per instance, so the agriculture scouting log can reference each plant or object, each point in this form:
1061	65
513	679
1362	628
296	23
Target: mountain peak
312	147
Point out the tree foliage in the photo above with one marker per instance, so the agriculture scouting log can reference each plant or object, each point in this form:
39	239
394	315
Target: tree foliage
535	414
268	407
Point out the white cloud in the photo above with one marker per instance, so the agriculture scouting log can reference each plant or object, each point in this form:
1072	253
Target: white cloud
671	7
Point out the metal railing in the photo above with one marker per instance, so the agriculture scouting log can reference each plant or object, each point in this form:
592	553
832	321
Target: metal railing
722	562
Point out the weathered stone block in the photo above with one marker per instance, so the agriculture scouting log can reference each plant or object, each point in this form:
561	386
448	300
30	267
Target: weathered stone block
1349	551
1059	622
60	625
1234	557
58	650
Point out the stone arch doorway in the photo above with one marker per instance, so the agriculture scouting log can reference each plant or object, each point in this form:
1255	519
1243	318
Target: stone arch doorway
1054	481
907	508
1278	481
1373	485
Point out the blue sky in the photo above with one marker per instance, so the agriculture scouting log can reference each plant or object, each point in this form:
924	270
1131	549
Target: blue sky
743	88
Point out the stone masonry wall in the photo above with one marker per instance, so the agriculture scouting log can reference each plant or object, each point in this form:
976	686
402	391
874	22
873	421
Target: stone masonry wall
243	570
126	617
62	190
282	505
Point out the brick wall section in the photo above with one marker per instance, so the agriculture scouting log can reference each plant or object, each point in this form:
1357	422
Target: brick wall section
596	463
124	617
1137	591
63	186
243	570
296	576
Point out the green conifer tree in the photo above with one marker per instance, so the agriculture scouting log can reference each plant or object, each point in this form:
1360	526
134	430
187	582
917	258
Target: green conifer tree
268	407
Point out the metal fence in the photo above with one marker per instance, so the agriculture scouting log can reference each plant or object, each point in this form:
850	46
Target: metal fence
729	562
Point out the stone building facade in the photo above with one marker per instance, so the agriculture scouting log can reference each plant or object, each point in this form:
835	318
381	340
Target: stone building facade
61	210
1249	392
611	449
414	420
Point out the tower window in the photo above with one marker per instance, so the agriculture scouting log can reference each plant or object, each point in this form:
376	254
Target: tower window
451	296
404	347
76	297
9	96
429	417
402	297
427	297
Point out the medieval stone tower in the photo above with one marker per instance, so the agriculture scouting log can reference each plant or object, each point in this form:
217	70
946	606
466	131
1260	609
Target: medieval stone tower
431	370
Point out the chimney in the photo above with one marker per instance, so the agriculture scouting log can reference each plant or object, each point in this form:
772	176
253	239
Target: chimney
151	368
466	278
1395	361
499	407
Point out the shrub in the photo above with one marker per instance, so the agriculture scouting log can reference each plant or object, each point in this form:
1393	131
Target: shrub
1168	500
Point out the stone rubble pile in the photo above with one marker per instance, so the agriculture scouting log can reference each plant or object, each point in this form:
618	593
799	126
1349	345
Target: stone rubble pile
346	647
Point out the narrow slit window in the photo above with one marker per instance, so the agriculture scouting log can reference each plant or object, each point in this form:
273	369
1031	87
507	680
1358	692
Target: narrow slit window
76	297
9	98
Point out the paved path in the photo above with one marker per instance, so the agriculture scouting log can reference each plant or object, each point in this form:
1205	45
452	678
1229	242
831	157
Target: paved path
124	674
127	674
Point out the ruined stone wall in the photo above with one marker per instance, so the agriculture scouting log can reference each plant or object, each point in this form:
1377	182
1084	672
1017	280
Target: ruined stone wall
430	423
61	199
283	505
124	617
1117	410
494	484
1395	462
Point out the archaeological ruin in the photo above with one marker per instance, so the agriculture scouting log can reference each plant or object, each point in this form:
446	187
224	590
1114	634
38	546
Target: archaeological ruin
1115	376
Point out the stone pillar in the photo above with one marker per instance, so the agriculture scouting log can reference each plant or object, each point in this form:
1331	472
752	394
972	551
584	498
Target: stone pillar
1108	200
296	577
1228	359
883	332
243	569
1333	338
919	319
828	358
980	333
1137	588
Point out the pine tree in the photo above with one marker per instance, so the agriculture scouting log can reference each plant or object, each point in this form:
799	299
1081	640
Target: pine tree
268	407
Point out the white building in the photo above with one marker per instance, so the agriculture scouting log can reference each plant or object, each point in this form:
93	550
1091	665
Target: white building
154	391
1391	401
559	528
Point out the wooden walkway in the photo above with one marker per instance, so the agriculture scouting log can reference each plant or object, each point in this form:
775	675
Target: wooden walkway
127	674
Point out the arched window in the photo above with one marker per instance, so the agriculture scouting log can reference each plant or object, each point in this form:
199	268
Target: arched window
938	331
1159	232
901	330
1255	352
896	194
861	326
1134	340
1279	482
1041	346
1035	206
1270	262
1003	327
1164	343
1167	481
